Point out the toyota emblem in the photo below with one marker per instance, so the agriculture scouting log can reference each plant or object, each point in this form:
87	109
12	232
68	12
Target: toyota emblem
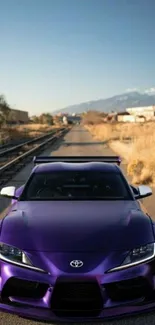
76	263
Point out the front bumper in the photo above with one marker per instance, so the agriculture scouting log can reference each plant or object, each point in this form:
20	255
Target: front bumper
47	315
119	294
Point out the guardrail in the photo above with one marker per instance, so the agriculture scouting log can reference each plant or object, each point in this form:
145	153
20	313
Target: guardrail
12	167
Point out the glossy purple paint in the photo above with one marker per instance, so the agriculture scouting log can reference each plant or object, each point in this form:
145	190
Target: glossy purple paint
79	226
40	308
52	234
62	166
107	313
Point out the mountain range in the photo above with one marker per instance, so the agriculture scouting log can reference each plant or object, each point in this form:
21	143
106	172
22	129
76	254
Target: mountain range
116	103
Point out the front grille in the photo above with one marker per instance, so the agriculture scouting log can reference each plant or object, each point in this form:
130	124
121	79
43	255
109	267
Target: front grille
23	289
128	289
80	298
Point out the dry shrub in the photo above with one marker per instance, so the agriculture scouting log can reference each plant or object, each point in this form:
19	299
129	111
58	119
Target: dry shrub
36	130
139	153
123	130
103	131
141	165
36	127
10	133
25	131
93	118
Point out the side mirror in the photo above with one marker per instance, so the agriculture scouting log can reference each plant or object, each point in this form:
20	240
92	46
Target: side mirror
8	192
142	192
135	190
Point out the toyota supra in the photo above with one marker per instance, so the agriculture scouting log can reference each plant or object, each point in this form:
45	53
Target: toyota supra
76	243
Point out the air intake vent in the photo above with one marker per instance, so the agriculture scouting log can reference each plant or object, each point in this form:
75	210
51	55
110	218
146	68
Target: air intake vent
23	289
76	299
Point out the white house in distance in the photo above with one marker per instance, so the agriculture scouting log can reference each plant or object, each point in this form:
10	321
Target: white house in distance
147	111
125	117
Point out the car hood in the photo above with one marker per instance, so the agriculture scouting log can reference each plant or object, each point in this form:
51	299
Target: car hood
61	226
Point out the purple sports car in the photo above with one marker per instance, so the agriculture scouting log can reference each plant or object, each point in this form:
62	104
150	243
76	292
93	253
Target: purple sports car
77	244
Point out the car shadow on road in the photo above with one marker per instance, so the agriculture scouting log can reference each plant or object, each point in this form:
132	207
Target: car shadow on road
66	143
79	131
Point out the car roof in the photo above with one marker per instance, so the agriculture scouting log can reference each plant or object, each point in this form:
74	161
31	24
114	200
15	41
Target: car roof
63	166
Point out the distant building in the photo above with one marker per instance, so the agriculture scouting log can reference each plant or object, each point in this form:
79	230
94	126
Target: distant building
126	118
141	119
17	116
146	111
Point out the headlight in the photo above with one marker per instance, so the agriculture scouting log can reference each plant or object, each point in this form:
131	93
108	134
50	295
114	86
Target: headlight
13	254
16	256
137	256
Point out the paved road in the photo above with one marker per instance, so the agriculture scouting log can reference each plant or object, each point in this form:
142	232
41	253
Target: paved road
77	142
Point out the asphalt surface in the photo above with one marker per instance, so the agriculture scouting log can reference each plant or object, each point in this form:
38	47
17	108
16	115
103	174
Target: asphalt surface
77	142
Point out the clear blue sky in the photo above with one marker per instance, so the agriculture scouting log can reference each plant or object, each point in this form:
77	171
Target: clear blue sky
55	53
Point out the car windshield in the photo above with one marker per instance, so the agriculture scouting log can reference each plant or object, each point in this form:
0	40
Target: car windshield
71	185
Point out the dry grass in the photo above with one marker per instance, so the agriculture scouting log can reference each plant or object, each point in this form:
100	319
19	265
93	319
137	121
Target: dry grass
7	134
26	130
121	131
121	149
35	127
93	118
139	153
103	131
34	130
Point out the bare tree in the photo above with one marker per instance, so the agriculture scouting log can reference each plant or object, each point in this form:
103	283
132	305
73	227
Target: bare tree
35	119
4	110
46	118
